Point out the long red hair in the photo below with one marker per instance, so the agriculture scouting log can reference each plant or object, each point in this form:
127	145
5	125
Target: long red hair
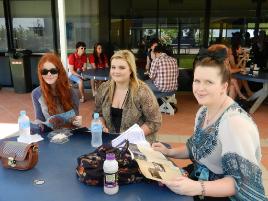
62	85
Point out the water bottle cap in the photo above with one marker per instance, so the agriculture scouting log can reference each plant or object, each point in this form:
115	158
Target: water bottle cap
96	115
110	156
22	112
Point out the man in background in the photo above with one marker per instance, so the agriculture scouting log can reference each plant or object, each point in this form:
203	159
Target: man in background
77	63
163	72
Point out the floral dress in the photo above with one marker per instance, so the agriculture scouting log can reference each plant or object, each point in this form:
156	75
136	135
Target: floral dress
228	147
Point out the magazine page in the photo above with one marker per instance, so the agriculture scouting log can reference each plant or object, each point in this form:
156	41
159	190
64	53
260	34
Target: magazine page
153	164
134	135
59	120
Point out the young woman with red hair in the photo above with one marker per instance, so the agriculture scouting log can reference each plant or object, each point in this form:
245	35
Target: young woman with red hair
54	95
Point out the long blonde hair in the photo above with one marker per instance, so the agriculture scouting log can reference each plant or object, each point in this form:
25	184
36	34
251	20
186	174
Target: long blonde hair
134	83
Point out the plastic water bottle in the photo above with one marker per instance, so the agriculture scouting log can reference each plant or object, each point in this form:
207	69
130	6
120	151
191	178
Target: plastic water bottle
24	124
110	168
96	131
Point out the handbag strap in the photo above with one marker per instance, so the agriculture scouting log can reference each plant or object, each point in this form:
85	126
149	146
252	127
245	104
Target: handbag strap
124	148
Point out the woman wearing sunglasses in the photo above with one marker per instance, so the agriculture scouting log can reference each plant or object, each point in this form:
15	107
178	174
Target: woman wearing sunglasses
55	103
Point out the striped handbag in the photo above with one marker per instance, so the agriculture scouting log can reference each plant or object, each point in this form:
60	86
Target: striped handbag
18	155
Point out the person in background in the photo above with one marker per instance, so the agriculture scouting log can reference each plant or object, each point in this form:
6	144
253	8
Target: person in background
164	72
54	96
77	63
125	100
150	55
238	59
98	60
233	89
225	147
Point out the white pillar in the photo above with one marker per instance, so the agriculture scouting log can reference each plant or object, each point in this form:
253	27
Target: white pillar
62	30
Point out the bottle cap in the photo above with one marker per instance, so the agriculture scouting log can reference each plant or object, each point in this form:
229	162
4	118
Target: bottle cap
96	115
22	112
110	156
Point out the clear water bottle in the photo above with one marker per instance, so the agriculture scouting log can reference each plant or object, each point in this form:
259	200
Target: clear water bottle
110	168
24	124
96	131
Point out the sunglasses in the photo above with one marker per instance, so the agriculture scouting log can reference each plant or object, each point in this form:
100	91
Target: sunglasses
82	48
53	71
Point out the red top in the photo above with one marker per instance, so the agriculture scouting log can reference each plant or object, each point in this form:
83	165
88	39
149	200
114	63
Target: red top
101	64
77	61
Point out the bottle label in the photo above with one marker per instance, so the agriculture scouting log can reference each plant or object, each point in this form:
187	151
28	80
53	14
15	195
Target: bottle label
96	128
24	124
110	180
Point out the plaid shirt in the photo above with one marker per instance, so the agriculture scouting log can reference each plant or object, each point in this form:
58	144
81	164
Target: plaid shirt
164	72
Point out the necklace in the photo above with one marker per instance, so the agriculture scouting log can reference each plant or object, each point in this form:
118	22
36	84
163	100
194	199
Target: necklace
208	120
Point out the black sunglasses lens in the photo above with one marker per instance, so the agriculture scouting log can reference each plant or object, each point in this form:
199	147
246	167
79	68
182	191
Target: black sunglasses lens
53	71
44	71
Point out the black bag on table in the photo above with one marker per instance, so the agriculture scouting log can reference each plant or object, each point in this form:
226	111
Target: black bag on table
90	166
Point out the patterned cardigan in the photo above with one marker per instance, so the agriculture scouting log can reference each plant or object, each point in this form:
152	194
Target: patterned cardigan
143	110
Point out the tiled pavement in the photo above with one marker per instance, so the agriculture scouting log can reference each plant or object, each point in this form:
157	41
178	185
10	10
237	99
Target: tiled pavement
175	129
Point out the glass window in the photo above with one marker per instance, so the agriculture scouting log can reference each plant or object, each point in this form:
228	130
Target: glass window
82	23
133	23
3	36
264	18
32	25
231	18
137	22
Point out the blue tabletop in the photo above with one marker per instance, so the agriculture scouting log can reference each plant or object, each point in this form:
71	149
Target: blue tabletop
56	166
261	77
97	74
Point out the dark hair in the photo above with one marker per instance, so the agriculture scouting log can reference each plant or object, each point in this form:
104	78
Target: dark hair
235	47
215	57
158	49
97	59
153	41
80	44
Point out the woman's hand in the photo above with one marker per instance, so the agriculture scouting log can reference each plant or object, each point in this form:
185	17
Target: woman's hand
184	186
158	146
105	130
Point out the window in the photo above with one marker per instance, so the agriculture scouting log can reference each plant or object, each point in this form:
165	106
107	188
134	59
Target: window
32	25
231	17
82	23
3	36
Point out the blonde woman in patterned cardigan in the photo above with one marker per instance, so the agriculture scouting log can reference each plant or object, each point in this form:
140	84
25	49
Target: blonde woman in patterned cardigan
126	100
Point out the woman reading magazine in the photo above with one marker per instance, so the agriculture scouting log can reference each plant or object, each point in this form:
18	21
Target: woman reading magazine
55	103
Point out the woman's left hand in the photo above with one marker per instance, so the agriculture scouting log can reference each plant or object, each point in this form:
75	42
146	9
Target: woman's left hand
184	186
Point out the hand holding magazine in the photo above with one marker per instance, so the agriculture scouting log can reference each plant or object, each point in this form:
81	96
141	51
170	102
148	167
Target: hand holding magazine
153	164
57	121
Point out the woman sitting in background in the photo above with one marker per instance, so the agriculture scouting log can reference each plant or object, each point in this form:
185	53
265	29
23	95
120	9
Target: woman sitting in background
126	100
238	60
55	103
225	147
98	60
234	88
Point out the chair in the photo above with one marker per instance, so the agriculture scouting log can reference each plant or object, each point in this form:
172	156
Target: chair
168	101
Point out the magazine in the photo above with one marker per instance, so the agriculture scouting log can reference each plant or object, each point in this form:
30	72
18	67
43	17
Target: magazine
153	164
56	121
134	135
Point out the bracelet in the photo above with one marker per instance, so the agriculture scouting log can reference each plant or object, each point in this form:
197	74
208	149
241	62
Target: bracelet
203	192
